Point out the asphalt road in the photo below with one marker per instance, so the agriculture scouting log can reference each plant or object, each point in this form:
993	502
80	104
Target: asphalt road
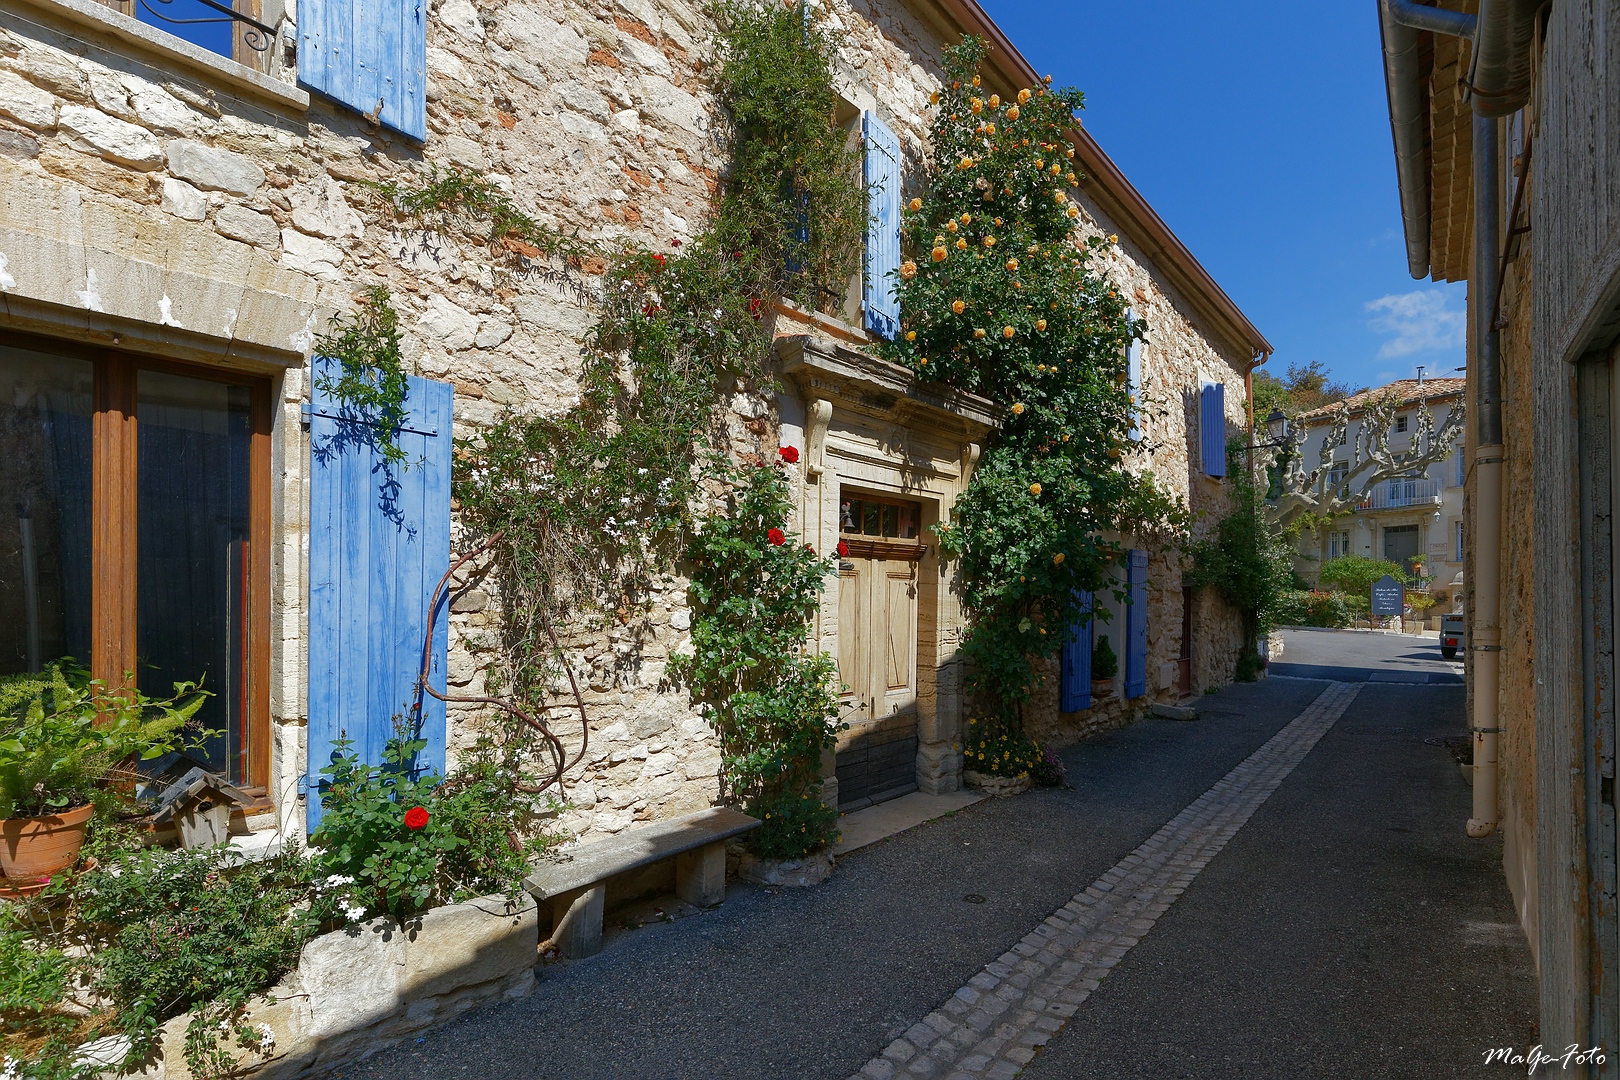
1350	928
1365	656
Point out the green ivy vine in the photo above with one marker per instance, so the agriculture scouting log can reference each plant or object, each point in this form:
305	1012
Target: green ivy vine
372	384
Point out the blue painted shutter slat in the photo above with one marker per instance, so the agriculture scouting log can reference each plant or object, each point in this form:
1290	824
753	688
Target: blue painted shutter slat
880	297
1212	429
379	542
361	52
1136	625
1074	683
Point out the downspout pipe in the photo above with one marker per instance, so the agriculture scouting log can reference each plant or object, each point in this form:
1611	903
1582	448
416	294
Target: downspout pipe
1499	74
1485	643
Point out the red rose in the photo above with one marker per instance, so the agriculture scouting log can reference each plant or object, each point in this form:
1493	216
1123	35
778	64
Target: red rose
416	817
777	537
810	548
790	454
843	548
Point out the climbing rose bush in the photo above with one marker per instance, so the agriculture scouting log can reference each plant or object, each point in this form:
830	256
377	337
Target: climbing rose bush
769	697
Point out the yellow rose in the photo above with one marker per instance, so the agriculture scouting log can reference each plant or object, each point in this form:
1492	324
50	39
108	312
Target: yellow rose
1056	168
1065	438
1007	331
989	129
975	80
911	335
957	306
1023	97
967	219
1018	408
1073	212
916	204
1113	238
977	332
908	270
1012	112
995	101
1057	560
1069	153
933	99
975	106
1072	178
967	163
1057	196
950	226
940	253
923	360
989	241
961	244
1035	489
1012	264
1040	324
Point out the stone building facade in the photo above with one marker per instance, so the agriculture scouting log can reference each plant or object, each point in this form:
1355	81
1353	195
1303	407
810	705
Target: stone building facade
1401	519
177	226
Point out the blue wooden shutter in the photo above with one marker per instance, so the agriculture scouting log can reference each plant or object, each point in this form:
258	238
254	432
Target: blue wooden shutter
379	543
880	297
362	52
1212	428
1074	679
1133	384
1136	625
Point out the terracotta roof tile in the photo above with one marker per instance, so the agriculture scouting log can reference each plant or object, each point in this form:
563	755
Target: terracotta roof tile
1406	389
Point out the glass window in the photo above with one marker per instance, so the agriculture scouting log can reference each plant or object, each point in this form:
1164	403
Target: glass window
46	407
126	523
873	517
192	487
1400	423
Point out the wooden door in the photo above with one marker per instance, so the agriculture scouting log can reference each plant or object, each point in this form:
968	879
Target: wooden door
877	653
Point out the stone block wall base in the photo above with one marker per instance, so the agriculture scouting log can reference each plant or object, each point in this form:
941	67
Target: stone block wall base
996	785
794	873
361	989
939	768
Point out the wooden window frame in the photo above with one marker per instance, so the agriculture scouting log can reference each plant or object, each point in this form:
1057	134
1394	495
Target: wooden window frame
114	650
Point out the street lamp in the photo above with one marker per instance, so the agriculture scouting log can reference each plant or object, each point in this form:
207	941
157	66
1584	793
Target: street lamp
1276	427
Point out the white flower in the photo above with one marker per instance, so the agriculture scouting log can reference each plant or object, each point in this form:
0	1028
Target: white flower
267	1039
354	912
12	1070
336	880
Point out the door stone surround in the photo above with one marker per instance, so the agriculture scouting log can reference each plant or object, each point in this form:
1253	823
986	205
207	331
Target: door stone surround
870	425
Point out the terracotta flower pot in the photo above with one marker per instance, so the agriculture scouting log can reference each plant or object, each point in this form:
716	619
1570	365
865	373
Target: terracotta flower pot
36	847
1101	688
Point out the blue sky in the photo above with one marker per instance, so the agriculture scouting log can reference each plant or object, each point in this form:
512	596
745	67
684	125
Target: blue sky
1260	133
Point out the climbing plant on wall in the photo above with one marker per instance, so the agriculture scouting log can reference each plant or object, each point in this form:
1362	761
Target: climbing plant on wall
590	504
1001	297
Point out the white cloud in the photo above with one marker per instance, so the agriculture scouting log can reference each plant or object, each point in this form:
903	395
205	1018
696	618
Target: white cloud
1420	322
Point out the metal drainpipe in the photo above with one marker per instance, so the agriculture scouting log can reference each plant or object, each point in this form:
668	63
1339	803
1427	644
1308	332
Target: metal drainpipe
1485	643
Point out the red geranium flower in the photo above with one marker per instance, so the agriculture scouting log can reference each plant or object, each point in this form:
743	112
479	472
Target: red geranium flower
416	817
777	537
790	454
843	548
659	259
650	310
810	548
675	242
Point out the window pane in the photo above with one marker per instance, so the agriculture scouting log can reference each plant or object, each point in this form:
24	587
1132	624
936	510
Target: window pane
891	520
908	522
194	437
190	21
45	438
874	512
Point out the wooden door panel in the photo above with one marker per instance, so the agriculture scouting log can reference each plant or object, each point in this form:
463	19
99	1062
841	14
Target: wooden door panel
898	619
854	669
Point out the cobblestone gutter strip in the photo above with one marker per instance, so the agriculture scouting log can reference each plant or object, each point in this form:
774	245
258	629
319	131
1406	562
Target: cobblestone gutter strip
992	1026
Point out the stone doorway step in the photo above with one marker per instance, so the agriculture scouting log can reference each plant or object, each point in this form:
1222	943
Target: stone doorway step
863	828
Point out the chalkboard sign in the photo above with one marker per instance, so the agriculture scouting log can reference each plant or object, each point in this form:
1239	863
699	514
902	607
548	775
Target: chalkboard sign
1388	596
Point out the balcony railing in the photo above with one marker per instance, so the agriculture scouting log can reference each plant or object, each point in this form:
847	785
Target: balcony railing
1394	494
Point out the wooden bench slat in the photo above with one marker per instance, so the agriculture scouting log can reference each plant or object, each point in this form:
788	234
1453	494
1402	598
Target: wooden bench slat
595	862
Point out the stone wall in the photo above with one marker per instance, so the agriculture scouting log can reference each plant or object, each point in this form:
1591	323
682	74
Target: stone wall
171	203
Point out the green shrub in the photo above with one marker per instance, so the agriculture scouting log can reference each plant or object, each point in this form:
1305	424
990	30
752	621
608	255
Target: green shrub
65	734
1104	663
1355	574
991	749
408	841
1302	607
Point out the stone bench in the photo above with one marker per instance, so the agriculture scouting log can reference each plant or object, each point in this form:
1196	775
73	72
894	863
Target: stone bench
575	884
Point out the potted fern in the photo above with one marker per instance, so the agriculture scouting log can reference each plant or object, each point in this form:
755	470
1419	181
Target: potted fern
1104	666
63	737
